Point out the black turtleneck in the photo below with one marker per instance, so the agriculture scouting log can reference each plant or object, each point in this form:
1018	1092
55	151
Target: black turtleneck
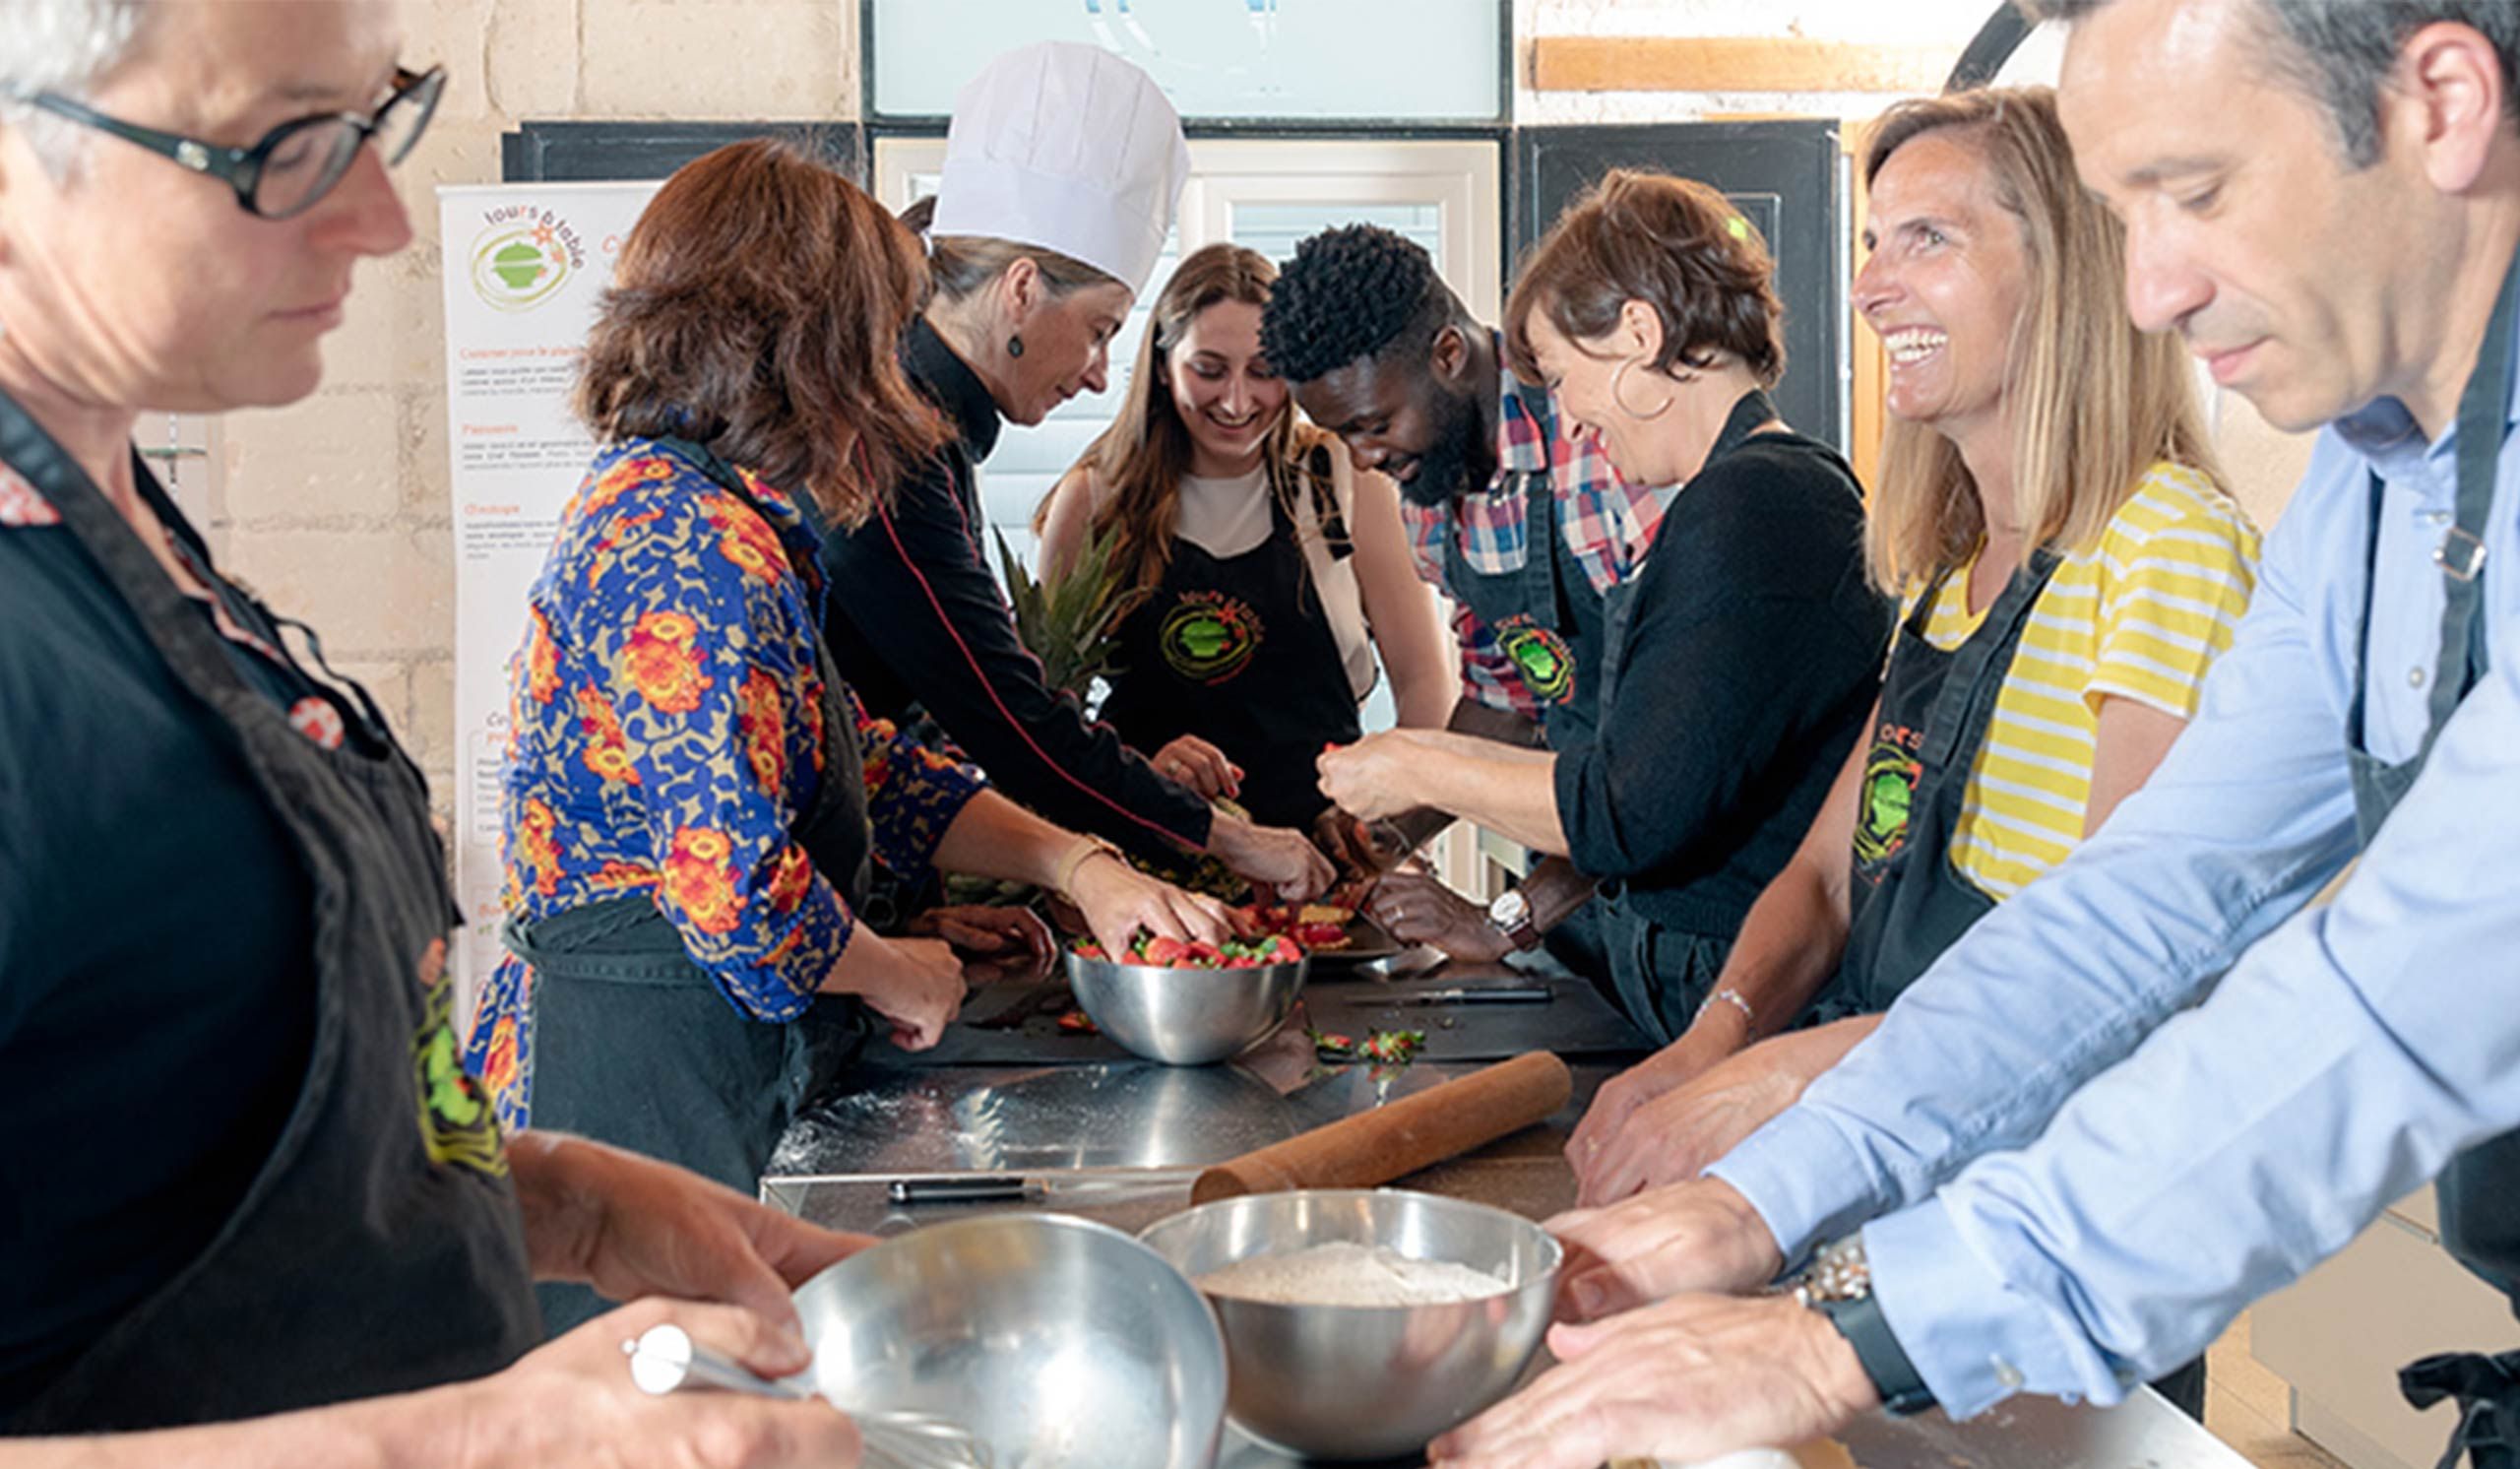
918	620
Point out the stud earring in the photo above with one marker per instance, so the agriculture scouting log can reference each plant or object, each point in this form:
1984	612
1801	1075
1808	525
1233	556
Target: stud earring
1015	347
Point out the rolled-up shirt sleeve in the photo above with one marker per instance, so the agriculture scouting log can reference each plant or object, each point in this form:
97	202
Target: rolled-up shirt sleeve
912	794
2344	1060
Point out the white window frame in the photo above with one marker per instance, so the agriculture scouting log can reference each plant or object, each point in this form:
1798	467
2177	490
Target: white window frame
1462	176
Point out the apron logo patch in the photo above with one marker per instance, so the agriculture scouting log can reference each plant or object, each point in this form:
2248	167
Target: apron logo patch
1209	637
458	1124
1542	657
1884	801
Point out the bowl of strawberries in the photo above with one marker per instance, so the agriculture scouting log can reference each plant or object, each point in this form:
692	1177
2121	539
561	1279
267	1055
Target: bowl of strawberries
1189	1004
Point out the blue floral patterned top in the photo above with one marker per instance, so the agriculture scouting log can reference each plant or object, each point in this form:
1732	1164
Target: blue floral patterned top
665	732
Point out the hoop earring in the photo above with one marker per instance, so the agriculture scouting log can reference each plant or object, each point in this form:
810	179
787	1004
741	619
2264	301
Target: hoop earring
1015	347
1617	374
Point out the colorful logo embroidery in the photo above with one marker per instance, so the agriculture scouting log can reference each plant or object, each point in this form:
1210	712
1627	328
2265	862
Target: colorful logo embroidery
1885	801
1209	637
1542	657
457	1123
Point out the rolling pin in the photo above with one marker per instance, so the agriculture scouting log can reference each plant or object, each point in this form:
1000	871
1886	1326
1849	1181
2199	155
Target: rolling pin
1378	1146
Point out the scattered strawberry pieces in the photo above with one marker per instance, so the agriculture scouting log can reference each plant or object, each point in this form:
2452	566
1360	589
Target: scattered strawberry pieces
1172	953
1390	1047
1080	1023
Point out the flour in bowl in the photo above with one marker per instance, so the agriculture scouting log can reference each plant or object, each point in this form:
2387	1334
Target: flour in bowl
1350	1274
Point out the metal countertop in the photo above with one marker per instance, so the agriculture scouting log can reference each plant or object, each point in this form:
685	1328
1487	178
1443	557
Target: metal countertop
1121	1139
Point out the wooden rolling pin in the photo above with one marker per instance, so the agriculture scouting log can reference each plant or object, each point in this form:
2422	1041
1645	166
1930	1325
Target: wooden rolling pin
1378	1146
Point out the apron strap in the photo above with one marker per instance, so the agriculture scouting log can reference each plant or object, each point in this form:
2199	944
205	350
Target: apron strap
2487	1391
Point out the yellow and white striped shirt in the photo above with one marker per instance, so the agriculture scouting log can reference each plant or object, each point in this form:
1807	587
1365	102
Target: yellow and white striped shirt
2140	617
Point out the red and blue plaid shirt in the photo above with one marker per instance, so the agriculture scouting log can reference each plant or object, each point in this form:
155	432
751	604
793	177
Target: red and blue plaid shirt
1607	524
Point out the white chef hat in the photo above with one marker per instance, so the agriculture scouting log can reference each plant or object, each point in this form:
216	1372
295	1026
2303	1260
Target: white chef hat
1067	148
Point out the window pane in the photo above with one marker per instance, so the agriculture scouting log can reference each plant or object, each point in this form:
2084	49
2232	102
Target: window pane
1216	58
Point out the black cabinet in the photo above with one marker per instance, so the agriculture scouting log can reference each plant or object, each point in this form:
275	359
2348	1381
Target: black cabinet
587	151
1786	177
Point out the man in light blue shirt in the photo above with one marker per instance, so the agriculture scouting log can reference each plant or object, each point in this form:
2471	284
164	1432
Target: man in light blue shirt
2074	1179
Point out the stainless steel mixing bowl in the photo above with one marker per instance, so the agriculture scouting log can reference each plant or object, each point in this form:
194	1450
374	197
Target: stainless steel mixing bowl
1186	1017
1055	1341
1368	1381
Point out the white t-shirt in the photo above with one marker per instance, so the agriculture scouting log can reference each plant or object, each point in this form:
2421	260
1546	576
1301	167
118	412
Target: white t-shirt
1229	517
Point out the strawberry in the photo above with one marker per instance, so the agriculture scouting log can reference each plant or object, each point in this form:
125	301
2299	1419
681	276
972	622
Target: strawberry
1164	950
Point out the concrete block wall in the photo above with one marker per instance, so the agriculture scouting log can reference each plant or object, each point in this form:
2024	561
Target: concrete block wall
337	508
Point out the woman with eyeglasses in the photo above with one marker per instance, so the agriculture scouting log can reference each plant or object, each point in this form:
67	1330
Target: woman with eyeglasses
245	1175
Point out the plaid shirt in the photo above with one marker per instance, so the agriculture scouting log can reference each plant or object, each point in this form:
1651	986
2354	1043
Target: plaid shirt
1606	522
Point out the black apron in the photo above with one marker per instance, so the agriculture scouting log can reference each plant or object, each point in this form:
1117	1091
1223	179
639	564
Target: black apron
1908	901
379	1249
634	1043
1662	964
2479	1194
1239	651
1546	620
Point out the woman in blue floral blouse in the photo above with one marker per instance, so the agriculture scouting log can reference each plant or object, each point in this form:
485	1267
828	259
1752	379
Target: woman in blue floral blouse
692	798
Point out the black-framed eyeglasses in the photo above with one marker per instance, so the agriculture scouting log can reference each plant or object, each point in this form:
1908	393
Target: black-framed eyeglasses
296	163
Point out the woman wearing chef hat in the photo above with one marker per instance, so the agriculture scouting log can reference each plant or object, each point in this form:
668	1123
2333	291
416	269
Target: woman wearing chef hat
1061	172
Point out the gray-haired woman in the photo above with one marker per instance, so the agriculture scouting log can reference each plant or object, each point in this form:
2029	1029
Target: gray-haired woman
245	1176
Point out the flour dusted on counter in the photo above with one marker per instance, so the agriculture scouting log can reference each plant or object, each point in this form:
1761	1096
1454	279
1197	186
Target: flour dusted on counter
1349	1274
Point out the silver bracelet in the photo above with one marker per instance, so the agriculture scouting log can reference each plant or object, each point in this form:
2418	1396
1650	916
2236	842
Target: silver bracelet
1749	1017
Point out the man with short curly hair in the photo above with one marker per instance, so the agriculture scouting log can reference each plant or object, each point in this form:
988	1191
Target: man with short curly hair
1381	351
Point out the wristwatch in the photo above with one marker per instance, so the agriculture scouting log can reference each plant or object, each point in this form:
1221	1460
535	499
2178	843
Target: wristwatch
1511	913
1839	1285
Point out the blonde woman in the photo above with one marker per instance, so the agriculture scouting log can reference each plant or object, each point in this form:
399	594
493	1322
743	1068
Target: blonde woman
1263	573
2051	516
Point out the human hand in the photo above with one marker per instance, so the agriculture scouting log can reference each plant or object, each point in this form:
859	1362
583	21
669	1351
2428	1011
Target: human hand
1609	1128
1415	908
1697	1236
1684	1381
1188	760
992	937
1372	778
633	1226
1346	841
1274	859
571	1404
1674	1136
916	984
1117	900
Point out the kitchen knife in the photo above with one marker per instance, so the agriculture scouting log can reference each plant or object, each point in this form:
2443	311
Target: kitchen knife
1010	1188
1480	994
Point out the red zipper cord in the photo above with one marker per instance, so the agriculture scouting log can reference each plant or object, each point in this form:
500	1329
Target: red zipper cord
937	604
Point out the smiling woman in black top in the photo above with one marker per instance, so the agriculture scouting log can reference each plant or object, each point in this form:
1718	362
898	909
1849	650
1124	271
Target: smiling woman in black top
1740	661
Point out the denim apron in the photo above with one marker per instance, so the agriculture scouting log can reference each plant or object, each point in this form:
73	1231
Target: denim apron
635	1044
379	1247
1548	621
2479	1194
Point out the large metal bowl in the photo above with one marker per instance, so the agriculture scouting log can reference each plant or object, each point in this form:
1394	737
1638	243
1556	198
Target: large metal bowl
1186	1017
1364	1381
1055	1341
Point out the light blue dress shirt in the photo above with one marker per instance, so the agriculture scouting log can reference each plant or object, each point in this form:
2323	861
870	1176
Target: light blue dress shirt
2087	1188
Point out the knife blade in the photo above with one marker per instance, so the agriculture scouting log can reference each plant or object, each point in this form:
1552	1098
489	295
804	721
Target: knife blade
1480	994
